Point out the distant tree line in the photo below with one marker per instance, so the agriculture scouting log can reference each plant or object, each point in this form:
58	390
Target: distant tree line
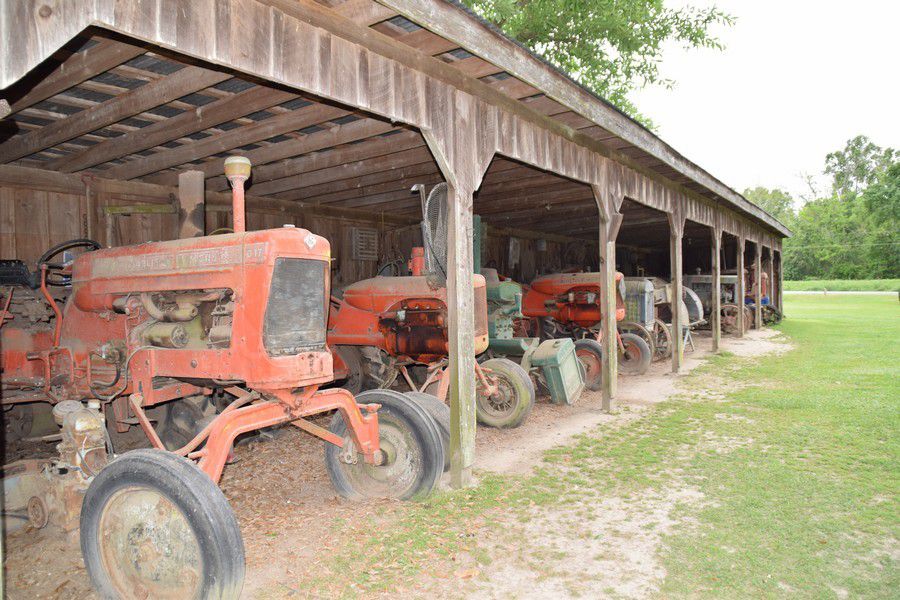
852	232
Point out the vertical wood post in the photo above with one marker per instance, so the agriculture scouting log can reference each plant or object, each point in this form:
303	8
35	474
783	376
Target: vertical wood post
463	158
609	222
715	311
757	297
741	292
771	273
676	235
191	207
780	304
461	318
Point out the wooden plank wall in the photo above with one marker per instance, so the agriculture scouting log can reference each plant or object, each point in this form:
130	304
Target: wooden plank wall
32	220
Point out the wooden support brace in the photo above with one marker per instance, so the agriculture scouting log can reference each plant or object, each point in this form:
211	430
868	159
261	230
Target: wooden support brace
715	311
460	172
609	222
757	297
676	235
741	285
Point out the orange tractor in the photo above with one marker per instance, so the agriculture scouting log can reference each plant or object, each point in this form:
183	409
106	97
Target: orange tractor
567	305
393	332
242	314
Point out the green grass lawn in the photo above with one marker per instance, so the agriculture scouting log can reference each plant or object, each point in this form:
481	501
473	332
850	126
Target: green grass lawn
796	464
843	285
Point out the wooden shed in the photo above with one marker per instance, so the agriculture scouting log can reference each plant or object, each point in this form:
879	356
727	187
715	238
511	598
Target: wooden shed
116	116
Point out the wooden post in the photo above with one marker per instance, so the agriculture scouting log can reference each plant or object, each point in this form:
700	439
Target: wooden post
463	158
609	222
771	273
780	304
741	292
191	204
757	297
715	311
676	234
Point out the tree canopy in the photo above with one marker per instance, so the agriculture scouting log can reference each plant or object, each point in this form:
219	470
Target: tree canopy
853	233
611	46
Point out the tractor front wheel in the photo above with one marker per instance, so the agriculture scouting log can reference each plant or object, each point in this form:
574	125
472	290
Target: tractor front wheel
153	525
513	397
412	456
635	357
590	355
440	412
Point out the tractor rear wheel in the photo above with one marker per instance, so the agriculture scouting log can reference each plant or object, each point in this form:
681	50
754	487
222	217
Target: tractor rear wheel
153	525
440	412
590	354
636	357
513	399
413	457
640	331
662	346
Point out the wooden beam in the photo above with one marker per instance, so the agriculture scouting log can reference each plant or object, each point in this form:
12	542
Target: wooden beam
356	174
78	67
320	140
191	205
161	132
676	234
149	95
715	311
326	165
277	125
453	22
741	286
366	12
139	191
757	297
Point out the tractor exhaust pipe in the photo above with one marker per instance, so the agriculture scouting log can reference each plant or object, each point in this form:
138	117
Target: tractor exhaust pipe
237	170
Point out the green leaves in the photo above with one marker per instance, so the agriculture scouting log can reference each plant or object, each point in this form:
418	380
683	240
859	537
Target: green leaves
852	234
611	46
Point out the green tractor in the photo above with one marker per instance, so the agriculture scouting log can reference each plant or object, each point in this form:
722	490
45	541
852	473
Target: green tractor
552	364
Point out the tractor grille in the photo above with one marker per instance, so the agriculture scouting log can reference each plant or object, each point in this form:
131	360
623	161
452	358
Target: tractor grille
481	325
295	314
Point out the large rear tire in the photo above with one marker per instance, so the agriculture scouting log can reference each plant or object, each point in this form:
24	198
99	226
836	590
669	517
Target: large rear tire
511	404
410	442
440	412
590	355
636	357
153	525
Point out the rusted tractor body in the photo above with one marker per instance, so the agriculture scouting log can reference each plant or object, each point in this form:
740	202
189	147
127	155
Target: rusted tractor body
405	317
568	305
162	322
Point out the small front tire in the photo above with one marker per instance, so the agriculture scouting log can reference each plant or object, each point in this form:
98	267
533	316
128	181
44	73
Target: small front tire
636	357
511	404
410	442
153	525
590	354
440	412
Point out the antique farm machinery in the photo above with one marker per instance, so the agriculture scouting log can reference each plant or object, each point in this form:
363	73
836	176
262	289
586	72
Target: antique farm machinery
567	305
163	322
393	331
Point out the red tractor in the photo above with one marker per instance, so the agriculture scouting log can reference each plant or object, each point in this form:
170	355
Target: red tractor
393	332
567	305
243	315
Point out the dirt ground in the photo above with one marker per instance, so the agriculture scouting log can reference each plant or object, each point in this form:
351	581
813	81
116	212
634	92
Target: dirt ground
288	511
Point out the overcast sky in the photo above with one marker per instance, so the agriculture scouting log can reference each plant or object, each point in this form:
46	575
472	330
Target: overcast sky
796	81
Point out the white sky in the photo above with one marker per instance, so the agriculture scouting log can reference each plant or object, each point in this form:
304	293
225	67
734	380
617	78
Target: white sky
797	80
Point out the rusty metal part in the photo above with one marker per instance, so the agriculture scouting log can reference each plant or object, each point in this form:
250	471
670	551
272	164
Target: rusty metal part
38	513
166	335
148	546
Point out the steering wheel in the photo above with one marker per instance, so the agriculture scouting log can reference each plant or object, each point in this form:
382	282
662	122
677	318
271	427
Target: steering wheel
59	279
